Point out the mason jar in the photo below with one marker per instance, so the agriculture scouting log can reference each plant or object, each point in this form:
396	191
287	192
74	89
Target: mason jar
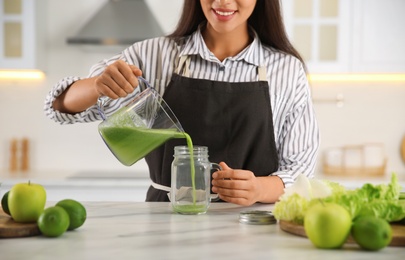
191	180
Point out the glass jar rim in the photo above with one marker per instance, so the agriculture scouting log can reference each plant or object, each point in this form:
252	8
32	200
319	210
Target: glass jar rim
183	149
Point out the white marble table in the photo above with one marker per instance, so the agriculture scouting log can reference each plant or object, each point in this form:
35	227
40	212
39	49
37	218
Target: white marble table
131	230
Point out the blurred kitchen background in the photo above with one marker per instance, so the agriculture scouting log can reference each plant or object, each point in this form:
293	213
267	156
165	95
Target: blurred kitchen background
356	64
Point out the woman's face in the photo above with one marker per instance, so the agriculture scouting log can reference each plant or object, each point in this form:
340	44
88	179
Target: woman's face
225	16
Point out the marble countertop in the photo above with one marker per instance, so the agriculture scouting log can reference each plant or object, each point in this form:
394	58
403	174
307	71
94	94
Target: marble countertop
128	230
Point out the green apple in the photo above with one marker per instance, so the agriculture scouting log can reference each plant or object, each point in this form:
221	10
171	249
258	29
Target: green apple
327	225
26	202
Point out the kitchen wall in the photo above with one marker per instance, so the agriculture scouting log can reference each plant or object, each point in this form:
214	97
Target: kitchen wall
370	112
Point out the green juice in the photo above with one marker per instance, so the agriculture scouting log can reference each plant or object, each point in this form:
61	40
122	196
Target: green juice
130	144
190	149
191	209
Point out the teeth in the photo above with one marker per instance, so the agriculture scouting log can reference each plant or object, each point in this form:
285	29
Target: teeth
224	13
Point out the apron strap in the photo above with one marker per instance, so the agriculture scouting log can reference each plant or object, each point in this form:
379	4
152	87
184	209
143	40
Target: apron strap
262	71
213	197
186	70
160	187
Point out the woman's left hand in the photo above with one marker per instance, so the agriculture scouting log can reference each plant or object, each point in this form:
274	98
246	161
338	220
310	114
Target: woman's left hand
236	186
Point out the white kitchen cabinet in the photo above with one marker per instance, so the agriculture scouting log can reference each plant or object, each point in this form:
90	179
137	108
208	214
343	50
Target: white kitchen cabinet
379	36
22	38
345	36
320	30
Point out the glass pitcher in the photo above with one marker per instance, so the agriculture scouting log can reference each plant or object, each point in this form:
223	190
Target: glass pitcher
142	125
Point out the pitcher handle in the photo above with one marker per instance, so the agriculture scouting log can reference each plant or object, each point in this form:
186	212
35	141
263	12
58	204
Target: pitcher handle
100	104
215	166
102	99
145	82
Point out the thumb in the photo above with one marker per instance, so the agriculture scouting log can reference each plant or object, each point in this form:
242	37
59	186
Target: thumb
224	166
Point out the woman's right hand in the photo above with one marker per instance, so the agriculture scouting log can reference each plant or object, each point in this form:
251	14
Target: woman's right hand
118	80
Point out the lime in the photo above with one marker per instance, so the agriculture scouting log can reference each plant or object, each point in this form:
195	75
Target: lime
76	211
371	233
4	203
53	221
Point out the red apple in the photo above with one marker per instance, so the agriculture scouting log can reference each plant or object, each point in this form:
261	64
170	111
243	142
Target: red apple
26	202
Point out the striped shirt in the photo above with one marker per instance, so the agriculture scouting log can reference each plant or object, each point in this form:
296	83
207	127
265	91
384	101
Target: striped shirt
295	126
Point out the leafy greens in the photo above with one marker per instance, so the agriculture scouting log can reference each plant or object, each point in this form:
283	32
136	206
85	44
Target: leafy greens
379	200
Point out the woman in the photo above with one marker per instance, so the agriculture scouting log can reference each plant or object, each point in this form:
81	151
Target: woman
236	85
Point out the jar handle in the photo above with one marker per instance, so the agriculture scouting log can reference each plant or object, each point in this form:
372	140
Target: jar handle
215	166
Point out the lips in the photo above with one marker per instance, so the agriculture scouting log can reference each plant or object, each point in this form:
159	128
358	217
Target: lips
223	14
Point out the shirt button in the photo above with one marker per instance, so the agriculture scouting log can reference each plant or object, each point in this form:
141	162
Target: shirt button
222	68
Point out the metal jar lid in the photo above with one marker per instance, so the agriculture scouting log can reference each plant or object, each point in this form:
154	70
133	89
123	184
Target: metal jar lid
257	217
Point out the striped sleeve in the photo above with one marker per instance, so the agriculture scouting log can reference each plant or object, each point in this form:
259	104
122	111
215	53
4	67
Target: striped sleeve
298	140
89	115
59	88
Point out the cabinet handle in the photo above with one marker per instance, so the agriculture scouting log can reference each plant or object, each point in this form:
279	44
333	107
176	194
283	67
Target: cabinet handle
339	100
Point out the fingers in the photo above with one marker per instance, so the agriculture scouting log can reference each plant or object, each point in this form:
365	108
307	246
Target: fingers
231	179
234	186
240	197
224	166
228	173
231	184
113	88
237	200
118	80
137	72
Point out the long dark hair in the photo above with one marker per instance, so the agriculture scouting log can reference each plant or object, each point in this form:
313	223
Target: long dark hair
266	20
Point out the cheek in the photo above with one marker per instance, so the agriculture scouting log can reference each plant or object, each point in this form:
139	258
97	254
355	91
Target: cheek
247	6
206	7
247	3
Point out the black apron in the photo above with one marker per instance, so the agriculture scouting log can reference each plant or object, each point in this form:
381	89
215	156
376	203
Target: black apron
234	120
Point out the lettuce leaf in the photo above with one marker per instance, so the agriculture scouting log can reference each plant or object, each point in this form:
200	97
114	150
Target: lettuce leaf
291	208
380	200
297	198
388	210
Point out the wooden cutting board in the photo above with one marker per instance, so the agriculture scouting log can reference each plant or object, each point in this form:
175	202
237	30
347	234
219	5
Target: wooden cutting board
9	228
398	232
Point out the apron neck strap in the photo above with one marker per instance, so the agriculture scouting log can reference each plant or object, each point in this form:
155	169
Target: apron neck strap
262	72
186	70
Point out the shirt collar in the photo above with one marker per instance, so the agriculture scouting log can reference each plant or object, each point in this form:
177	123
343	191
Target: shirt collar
195	45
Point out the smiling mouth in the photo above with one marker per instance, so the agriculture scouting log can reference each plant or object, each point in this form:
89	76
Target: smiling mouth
224	13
